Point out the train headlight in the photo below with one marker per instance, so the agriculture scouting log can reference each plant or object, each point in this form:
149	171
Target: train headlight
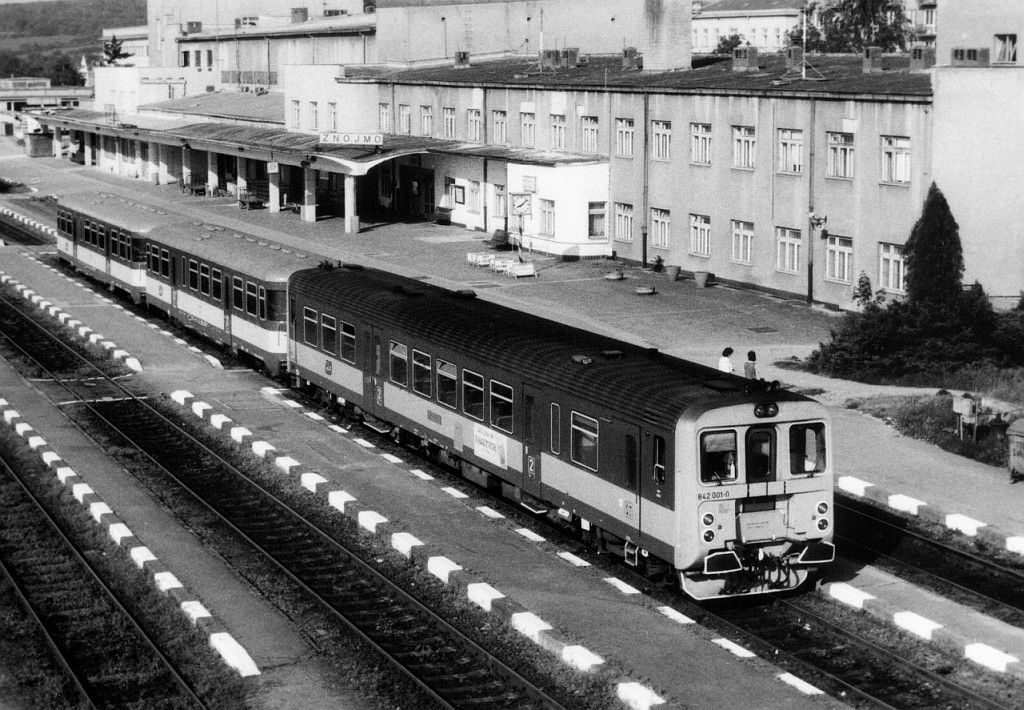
765	410
708	519
822	507
822	524
709	535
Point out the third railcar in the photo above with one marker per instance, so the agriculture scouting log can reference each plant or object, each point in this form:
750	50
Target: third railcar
725	481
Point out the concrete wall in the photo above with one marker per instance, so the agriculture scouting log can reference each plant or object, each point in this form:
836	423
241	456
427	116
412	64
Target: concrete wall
127	88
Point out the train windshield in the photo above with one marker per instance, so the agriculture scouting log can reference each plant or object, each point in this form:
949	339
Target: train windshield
806	448
718	456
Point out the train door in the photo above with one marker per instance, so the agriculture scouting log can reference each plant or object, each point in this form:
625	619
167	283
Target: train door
623	457
535	423
375	374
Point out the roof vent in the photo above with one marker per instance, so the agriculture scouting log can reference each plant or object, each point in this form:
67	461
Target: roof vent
193	27
969	57
872	60
582	359
300	14
461	60
631	59
794	55
744	59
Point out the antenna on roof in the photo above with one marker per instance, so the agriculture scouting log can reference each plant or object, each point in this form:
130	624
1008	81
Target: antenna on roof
803	65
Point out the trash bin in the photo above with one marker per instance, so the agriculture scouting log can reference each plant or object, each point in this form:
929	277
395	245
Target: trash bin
444	215
1015	440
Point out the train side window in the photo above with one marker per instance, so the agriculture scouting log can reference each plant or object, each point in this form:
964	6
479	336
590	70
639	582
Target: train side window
204	279
216	285
718	456
262	302
473	394
501	406
154	259
251	302
348	342
328	333
556	429
238	293
421	371
165	263
399	364
447	384
193	274
659	459
309	327
806	448
584	439
760	454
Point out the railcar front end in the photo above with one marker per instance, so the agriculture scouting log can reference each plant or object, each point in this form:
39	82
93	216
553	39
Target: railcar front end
755	485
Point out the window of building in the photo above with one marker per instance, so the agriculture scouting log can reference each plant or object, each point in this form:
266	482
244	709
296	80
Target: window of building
896	160
399	363
840	155
1006	49
448	116
661	227
404	119
328	333
700	234
474	125
198	54
788	244
528	129
314	115
499	200
623	222
501	406
791	150
426	120
624	137
296	115
499	127
309	331
447	384
596	220
209	58
384	117
892	268
584	440
700	143
474	196
558	131
589	128
744	143
547	218
473	394
186	58
661	140
742	241
332	116
348	342
839	259
556	428
421	371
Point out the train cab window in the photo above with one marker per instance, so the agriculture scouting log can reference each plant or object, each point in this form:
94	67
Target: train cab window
193	274
165	263
238	293
806	448
251	301
348	342
473	394
501	406
447	384
309	327
261	300
556	429
329	334
204	279
421	371
399	363
583	444
659	459
216	285
718	456
760	454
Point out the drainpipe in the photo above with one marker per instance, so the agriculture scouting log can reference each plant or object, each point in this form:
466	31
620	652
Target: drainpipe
647	176
810	208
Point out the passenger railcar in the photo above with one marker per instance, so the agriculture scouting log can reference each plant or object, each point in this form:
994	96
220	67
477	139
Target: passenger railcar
227	286
103	236
676	466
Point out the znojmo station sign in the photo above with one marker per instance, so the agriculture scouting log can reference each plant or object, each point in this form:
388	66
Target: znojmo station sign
352	139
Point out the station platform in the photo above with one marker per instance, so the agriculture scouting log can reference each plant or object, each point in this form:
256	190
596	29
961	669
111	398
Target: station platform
872	460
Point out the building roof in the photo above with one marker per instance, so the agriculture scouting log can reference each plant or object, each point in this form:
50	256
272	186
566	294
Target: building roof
280	27
843	76
738	8
251	106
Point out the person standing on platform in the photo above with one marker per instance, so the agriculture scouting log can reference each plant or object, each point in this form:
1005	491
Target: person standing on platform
724	363
750	366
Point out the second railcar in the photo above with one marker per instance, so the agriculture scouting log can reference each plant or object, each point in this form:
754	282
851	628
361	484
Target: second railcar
671	464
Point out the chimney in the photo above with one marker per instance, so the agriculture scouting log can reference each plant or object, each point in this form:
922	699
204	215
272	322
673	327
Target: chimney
550	58
744	59
570	57
667	40
872	60
193	27
461	60
922	58
631	59
300	14
794	55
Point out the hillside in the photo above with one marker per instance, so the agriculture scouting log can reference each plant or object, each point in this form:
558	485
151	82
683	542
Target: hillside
42	21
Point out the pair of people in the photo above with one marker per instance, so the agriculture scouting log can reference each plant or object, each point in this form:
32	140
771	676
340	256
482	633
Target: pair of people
749	367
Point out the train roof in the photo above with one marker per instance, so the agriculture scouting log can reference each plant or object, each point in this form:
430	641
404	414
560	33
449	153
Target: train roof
649	384
128	214
263	259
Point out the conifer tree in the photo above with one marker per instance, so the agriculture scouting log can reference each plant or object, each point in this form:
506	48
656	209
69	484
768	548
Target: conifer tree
935	261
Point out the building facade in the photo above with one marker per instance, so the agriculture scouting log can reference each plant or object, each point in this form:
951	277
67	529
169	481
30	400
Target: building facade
764	24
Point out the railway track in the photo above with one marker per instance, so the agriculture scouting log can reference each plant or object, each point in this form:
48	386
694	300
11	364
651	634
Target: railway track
444	663
109	659
14	232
